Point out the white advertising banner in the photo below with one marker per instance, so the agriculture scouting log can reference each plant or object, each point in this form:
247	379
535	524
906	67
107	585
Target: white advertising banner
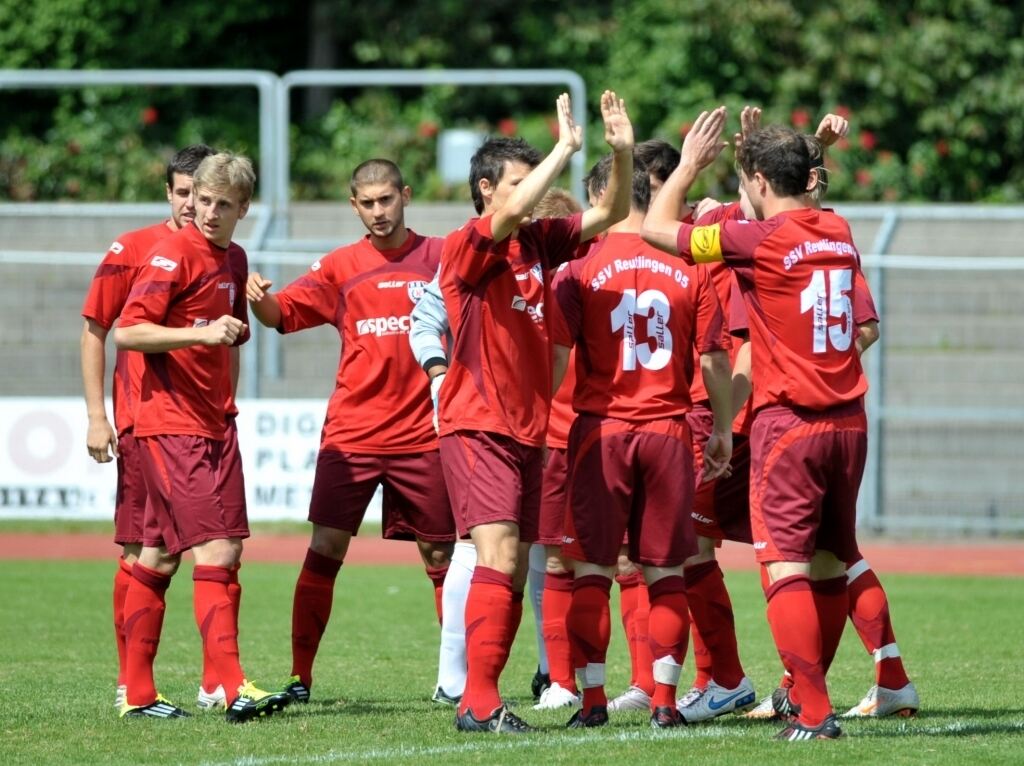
46	472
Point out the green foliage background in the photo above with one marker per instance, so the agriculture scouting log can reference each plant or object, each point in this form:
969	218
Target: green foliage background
932	88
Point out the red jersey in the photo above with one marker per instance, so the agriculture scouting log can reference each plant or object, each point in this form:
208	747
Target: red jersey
499	374
796	271
381	400
634	315
187	281
107	295
562	415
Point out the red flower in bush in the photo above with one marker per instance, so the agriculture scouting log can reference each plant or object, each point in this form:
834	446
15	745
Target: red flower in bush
427	129
74	148
553	128
867	140
508	127
800	118
863	177
684	129
843	111
149	115
942	147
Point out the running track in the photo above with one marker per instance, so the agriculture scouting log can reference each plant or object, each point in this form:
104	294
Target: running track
996	558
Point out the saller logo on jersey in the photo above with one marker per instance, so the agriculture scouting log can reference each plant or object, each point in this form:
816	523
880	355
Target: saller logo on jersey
116	248
381	326
706	243
163	263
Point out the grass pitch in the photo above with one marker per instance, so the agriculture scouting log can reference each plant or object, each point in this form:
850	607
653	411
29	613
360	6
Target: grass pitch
961	639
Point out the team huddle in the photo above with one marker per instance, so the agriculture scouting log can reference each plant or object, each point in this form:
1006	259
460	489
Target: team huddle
613	390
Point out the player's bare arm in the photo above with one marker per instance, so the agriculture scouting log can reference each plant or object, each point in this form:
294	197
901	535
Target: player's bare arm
529	192
155	338
101	438
741	380
614	203
263	304
559	366
701	147
867	334
717	375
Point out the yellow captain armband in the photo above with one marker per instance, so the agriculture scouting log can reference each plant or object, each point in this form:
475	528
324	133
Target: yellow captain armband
706	243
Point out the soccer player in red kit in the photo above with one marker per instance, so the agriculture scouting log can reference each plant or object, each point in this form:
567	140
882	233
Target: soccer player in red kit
796	268
185	312
378	429
493	407
106	297
634	316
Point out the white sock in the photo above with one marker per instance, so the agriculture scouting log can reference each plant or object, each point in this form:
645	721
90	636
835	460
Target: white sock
538	572
451	662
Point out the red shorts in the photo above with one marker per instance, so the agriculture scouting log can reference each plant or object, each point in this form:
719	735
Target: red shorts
554	495
415	504
130	506
721	507
806	468
196	490
491	478
630	476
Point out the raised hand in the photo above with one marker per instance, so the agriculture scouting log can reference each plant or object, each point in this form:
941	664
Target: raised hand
256	286
831	129
569	133
750	121
618	130
224	331
704	141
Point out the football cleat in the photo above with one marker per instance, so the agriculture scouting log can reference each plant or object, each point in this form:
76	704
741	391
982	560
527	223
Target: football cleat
159	708
763	711
556	696
442	698
666	717
634	698
716	701
500	722
598	716
297	690
120	696
880	702
252	703
539	683
689	698
208	701
798	732
783	706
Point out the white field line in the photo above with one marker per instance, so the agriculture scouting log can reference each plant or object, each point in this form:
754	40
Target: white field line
488	744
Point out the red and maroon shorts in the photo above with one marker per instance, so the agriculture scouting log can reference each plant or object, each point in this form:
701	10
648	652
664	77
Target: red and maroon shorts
721	507
130	505
415	503
492	477
196	490
554	496
806	468
635	477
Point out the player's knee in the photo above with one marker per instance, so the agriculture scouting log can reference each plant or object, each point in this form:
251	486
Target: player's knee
435	554
330	542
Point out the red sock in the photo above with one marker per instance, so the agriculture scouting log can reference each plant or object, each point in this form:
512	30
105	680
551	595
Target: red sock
218	625
589	625
669	631
436	575
712	614
831	603
210	679
122	577
311	610
144	606
701	656
555	610
793	620
489	616
635	607
869	613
